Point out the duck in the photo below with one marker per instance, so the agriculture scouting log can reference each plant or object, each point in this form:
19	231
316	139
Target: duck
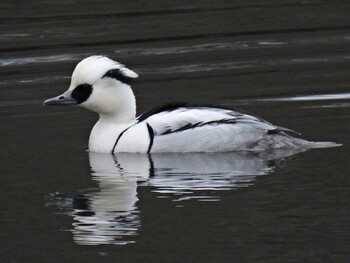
103	85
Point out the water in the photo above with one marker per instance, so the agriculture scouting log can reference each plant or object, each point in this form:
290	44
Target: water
286	62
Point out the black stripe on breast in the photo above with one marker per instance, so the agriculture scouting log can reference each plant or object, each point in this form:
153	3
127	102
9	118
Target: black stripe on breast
151	137
117	140
200	124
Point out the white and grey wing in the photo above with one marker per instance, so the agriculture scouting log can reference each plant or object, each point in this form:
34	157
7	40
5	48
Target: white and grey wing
204	129
209	138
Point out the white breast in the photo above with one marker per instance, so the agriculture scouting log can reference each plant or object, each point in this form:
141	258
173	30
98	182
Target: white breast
135	139
104	135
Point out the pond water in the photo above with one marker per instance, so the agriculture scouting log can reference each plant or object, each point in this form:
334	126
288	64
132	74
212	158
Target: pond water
286	62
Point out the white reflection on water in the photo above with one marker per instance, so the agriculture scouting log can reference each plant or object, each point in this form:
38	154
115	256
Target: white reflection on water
38	59
242	44
338	96
109	214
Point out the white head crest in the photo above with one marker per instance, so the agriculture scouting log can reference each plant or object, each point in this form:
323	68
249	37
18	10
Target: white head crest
94	68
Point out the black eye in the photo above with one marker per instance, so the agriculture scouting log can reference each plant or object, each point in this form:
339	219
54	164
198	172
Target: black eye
82	92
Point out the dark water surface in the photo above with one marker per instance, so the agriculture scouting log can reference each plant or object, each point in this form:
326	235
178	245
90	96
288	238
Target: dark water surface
287	61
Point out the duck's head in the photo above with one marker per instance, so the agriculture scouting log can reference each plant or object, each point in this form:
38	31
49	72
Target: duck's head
101	85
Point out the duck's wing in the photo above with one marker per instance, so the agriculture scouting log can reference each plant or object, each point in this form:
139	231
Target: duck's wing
184	128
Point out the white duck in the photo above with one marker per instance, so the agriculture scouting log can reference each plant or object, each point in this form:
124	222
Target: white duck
103	85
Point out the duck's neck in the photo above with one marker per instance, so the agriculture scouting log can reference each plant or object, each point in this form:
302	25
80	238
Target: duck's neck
111	124
106	131
123	116
122	110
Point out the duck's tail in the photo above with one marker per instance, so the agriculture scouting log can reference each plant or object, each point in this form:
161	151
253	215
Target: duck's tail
313	145
286	141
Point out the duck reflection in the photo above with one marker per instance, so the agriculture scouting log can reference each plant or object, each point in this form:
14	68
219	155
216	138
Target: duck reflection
109	215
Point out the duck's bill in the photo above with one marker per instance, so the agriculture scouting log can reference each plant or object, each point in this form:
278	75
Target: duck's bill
64	99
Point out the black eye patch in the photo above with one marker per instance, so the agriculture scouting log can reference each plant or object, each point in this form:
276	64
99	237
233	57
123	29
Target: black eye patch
81	93
118	75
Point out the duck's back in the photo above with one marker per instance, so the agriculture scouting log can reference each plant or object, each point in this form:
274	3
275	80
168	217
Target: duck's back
184	128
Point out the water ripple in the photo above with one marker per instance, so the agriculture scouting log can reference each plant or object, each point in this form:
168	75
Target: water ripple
340	96
199	67
38	59
238	45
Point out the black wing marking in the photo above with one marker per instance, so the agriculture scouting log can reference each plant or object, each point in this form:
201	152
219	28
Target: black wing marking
200	124
234	116
151	137
162	108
